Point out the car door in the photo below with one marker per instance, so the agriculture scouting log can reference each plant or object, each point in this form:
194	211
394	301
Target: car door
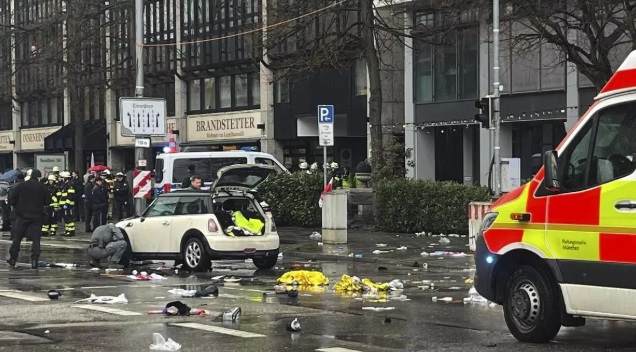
152	232
190	210
591	221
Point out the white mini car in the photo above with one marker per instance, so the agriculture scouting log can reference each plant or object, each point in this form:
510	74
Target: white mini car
194	227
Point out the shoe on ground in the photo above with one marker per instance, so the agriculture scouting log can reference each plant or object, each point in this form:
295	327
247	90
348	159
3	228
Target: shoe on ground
11	262
95	264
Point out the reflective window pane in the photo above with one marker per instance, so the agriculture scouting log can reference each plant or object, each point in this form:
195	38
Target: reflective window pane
194	93
240	89
210	94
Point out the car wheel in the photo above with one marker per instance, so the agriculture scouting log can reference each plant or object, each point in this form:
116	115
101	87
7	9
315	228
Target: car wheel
265	262
532	306
194	256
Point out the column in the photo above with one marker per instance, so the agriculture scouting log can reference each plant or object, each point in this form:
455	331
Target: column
410	131
180	86
485	152
112	159
268	142
16	111
468	155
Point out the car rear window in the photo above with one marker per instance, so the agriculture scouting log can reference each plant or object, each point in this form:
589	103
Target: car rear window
204	167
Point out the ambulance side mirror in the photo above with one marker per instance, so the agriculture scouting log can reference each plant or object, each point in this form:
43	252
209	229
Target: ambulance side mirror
551	164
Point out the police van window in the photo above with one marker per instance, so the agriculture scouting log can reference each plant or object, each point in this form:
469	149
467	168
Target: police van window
267	161
204	167
159	170
613	149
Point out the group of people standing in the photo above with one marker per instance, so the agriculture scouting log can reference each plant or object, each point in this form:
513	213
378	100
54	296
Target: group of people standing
40	202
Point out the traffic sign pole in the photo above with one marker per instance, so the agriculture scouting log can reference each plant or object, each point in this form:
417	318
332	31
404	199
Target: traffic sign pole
325	132
140	203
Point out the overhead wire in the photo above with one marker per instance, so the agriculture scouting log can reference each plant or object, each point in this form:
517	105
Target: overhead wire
245	32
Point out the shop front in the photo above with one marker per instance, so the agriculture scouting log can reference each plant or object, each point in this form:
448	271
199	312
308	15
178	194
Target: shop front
7	143
226	131
123	148
31	142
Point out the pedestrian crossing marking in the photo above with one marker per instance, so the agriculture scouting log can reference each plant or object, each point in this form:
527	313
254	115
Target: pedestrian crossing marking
336	349
218	329
18	295
106	310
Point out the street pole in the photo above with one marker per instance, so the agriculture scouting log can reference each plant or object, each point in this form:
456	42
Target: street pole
324	164
496	100
140	203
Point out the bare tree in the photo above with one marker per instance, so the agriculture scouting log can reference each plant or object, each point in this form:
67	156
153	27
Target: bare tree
306	36
81	47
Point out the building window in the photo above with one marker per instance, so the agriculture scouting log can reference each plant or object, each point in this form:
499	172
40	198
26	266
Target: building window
210	94
6	116
194	94
281	91
41	113
224	93
361	77
449	71
240	88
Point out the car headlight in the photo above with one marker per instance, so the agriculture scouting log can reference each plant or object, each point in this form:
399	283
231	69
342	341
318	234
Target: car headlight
489	219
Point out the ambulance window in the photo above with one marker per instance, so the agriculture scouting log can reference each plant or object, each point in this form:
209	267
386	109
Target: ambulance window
575	164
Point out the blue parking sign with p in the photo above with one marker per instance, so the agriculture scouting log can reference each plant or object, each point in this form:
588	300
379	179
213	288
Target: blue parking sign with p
325	113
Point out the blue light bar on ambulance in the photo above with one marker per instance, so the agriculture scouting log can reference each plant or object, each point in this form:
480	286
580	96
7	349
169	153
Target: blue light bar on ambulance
250	149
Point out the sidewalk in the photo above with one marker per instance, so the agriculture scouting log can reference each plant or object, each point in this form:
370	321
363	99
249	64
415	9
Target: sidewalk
295	242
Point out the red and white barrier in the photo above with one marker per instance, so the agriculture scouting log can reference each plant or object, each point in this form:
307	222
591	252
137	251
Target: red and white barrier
142	184
476	212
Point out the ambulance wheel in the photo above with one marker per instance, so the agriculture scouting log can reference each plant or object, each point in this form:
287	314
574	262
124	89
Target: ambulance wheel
531	306
195	257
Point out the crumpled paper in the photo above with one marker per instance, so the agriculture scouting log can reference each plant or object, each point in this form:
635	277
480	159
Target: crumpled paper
304	278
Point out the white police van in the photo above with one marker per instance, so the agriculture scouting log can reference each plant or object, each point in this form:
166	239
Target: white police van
172	168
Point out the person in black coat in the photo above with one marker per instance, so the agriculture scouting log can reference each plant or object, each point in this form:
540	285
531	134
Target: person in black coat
78	186
99	197
29	198
121	193
88	202
13	218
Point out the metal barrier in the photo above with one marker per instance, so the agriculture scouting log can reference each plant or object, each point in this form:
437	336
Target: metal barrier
476	212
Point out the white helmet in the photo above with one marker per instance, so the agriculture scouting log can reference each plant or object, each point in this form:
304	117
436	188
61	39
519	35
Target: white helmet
28	174
65	174
106	172
119	174
52	178
56	169
314	166
303	166
334	165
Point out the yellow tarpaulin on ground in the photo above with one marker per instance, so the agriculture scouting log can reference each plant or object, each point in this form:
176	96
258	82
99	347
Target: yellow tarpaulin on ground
304	278
354	284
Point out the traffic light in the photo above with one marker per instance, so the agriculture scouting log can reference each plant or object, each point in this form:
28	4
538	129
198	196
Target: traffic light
485	113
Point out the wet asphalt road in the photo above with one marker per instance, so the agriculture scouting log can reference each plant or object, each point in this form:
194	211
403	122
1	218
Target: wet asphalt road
30	322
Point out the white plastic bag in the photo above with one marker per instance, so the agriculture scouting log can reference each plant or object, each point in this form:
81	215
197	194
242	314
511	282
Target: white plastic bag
159	343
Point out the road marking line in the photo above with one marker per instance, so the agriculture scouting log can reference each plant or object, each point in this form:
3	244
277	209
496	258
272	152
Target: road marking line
96	287
336	349
18	295
106	310
218	329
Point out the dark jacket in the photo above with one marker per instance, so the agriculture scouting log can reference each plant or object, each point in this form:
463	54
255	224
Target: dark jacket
121	191
79	188
12	214
29	199
186	182
88	193
99	196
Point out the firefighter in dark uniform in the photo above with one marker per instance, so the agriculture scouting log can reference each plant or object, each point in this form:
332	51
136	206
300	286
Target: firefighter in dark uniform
49	224
121	193
67	203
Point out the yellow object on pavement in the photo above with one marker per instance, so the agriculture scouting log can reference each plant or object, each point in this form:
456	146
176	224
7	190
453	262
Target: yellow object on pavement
304	278
354	284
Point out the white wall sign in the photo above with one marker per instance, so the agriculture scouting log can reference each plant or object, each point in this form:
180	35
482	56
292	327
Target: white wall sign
46	162
142	116
142	142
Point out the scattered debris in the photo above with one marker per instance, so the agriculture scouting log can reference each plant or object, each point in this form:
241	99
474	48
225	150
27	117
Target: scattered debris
474	297
443	299
447	254
159	343
469	281
315	236
145	277
492	305
183	293
444	240
218	278
294	326
402	248
453	235
47	331
377	251
232	279
424	254
293	293
359	255
380	244
304	278
423	287
104	299
382	268
232	315
415	265
280	256
208	291
320	243
378	309
387	320
53	294
396	285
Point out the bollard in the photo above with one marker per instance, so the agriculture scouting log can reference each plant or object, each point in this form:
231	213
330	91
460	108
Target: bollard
334	217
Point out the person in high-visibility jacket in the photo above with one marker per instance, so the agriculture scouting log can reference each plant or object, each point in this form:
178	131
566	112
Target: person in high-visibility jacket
67	203
49	225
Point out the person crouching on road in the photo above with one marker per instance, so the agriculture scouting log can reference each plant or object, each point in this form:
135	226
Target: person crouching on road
107	241
29	199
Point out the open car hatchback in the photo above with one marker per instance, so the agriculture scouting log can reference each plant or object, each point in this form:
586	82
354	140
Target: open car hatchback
194	227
